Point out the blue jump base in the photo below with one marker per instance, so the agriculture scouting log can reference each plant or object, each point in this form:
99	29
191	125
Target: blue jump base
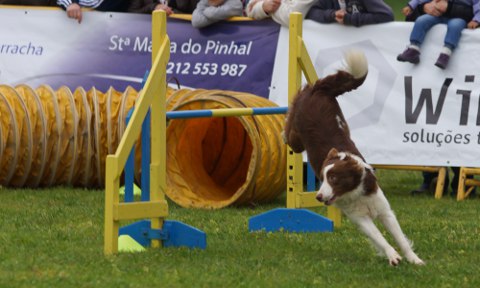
290	220
173	234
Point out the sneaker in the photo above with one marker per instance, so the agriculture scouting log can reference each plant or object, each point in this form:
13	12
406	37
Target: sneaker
442	60
409	55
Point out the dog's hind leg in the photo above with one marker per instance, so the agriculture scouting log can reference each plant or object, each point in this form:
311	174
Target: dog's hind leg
367	226
390	222
293	140
290	135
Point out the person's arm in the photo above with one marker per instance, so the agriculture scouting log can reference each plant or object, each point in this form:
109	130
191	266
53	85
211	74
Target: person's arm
282	15
65	3
73	9
476	11
475	22
414	3
199	19
229	9
377	12
322	11
255	10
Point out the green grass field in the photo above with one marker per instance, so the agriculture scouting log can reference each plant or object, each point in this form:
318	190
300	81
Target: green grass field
54	238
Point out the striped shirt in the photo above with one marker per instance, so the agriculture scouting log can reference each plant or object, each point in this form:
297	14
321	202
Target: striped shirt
83	3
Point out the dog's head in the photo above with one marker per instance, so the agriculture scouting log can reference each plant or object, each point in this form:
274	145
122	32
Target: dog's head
345	176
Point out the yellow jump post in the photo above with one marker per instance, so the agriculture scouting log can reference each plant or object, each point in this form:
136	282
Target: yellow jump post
442	174
292	218
299	61
466	186
151	97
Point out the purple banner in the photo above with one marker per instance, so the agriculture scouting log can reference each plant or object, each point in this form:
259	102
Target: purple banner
114	49
235	56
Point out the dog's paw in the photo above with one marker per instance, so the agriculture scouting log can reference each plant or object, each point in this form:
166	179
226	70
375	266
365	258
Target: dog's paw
414	259
394	258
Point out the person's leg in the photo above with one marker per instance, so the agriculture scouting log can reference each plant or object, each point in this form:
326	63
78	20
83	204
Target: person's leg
452	37
422	25
455	27
427	180
429	183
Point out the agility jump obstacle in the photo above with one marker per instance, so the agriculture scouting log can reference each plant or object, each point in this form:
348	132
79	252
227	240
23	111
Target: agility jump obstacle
466	186
292	218
157	231
299	61
152	97
288	219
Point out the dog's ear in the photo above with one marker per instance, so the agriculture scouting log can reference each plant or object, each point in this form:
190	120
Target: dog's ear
332	153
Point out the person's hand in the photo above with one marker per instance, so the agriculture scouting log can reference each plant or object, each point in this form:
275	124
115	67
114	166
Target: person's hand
270	6
406	10
339	15
431	9
165	8
75	11
441	5
472	24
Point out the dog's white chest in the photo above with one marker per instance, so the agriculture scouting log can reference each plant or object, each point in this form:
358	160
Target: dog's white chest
371	206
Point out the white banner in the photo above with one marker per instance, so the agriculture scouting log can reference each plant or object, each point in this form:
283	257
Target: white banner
403	114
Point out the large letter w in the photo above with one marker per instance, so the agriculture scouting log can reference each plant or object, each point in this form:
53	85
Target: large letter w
411	116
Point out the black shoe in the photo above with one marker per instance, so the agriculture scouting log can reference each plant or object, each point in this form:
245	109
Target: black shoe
442	61
425	187
409	55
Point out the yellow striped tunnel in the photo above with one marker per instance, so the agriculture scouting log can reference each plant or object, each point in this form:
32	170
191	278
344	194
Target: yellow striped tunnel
62	137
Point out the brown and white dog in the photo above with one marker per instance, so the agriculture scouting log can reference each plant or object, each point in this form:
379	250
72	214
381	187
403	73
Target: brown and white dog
315	123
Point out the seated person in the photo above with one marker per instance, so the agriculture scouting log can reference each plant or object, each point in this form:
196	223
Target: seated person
351	12
211	11
277	9
456	15
148	6
183	6
74	7
29	2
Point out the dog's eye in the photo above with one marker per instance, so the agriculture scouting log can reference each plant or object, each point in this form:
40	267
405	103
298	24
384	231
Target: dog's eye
332	179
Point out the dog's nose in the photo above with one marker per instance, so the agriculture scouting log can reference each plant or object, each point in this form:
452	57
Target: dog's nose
320	197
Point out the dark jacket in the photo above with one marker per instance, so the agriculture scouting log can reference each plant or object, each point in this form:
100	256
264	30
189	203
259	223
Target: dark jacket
183	6
359	12
468	10
142	6
29	2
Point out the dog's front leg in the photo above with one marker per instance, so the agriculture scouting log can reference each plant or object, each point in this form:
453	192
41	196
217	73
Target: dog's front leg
393	227
367	226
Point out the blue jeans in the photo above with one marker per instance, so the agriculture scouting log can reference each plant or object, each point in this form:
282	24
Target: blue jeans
425	22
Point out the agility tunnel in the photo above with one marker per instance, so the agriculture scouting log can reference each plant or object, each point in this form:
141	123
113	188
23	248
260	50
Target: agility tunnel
61	137
217	161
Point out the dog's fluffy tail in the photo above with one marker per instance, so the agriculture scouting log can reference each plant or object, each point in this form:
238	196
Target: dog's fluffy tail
356	64
352	75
